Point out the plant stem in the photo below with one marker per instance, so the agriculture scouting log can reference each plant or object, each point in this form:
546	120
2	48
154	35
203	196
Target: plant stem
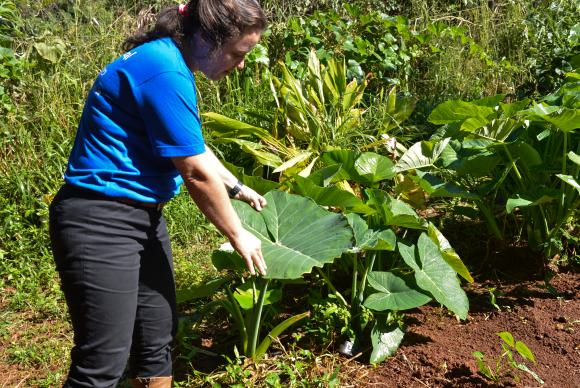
489	217
257	319
564	185
372	255
354	278
331	287
239	318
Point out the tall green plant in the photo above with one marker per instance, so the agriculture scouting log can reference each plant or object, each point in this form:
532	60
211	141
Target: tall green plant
297	236
313	114
387	277
487	150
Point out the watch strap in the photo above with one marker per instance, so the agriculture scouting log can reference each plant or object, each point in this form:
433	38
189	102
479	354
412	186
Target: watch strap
236	189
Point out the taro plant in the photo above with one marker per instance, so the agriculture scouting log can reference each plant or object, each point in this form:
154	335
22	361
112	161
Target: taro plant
297	236
502	154
386	276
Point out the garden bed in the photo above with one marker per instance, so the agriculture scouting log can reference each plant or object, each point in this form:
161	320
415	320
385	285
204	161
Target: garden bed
437	350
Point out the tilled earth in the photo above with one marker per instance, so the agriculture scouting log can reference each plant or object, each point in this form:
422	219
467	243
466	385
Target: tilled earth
437	350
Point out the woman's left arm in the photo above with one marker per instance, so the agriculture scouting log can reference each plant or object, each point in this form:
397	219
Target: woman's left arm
245	194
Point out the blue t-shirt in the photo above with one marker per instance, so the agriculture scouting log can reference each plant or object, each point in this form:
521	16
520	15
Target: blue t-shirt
141	111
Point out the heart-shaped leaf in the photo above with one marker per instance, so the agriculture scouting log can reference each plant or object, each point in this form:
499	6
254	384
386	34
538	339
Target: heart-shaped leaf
393	293
449	254
297	234
393	211
421	154
434	275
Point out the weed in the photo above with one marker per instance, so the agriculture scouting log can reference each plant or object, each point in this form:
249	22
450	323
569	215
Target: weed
507	363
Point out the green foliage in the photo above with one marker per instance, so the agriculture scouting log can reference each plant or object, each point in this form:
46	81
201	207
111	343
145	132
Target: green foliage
491	151
434	275
487	150
289	250
507	363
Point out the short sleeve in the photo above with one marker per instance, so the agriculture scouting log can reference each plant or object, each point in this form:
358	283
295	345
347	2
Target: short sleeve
168	104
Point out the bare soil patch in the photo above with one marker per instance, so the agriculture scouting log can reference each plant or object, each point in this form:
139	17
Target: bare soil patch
437	350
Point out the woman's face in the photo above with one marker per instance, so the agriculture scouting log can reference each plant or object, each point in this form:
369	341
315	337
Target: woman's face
222	62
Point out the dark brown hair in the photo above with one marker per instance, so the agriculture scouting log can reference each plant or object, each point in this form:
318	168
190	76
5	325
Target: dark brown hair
216	20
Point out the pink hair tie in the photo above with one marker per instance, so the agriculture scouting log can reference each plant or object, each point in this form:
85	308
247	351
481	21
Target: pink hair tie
182	8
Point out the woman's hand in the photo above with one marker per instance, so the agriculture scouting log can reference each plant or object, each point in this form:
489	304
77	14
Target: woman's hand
250	196
250	248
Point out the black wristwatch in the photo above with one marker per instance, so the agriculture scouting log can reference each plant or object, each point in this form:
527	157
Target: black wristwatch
236	189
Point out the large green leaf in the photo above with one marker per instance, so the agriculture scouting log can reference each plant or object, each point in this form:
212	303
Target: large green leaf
476	163
366	168
564	119
374	167
421	154
453	111
491	101
330	196
497	130
325	176
386	339
367	239
393	211
533	197
434	275
514	107
525	153
449	254
297	234
393	293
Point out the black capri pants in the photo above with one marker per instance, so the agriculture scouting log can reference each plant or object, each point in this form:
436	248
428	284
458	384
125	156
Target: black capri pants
116	271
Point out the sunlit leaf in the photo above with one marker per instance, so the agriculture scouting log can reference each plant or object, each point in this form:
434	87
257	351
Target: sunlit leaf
524	351
247	295
296	234
385	339
371	239
570	180
393	293
294	161
564	119
507	337
449	254
453	111
574	157
434	275
330	196
421	154
393	211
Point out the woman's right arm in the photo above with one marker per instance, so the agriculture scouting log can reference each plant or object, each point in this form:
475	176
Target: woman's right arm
209	193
